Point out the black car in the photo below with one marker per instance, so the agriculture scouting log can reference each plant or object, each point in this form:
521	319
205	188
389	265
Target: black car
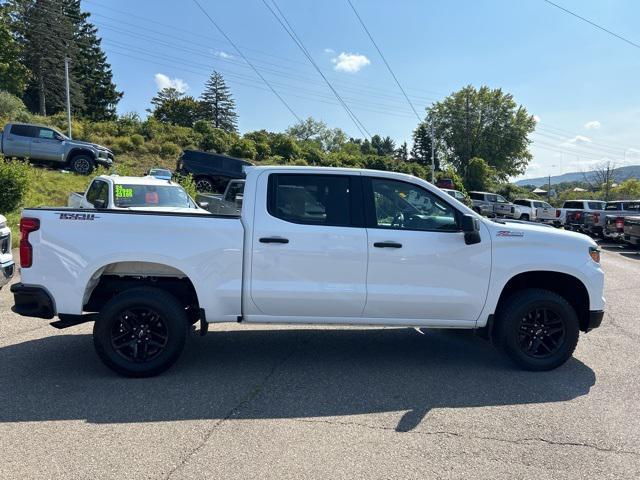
211	171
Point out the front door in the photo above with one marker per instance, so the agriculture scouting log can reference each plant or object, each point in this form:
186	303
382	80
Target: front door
419	264
46	145
309	247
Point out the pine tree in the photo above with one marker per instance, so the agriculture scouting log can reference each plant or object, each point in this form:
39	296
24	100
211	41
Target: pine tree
92	69
402	153
219	106
13	74
421	150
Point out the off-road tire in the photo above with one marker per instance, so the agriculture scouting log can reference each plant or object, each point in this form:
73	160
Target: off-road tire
111	326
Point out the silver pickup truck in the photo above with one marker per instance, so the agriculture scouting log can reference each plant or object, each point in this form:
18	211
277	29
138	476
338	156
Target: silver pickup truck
46	145
596	221
492	204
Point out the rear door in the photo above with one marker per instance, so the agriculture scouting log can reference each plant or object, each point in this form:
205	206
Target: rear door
18	141
419	266
46	146
309	248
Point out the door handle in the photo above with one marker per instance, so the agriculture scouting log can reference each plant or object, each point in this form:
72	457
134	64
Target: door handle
274	240
387	245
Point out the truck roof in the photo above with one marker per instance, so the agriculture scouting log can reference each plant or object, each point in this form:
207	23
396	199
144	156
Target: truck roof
148	180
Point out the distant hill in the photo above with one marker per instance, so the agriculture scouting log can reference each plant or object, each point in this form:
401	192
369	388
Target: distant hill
621	174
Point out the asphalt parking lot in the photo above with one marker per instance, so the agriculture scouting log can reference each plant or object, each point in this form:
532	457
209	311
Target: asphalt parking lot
285	402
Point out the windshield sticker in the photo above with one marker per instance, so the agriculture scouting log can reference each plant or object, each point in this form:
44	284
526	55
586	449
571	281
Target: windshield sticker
509	233
122	192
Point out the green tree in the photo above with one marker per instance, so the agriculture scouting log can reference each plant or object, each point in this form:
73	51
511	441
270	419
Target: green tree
627	190
479	175
91	68
330	140
483	123
421	149
244	148
219	107
13	74
10	105
402	153
172	106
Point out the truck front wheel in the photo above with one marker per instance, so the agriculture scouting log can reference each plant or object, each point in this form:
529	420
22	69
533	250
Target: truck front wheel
538	329
82	164
140	332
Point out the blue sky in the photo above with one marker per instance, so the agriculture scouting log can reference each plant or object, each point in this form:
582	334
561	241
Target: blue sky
581	83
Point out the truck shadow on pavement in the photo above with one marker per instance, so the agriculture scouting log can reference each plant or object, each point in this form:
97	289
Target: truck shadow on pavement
278	374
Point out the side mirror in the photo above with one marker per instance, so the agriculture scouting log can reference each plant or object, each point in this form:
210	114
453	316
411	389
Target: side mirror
471	229
204	205
58	137
99	204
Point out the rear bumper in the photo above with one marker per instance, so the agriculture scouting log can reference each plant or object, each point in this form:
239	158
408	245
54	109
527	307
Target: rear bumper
6	272
631	239
595	319
30	301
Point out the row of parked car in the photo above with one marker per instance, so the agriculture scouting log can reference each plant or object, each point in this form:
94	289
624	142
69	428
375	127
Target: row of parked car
617	220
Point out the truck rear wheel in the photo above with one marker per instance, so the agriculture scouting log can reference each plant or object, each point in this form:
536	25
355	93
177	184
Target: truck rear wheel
537	329
140	332
82	164
204	185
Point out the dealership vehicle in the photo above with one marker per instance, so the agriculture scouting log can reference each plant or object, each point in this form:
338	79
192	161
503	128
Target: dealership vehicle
211	171
229	203
161	173
6	258
596	220
528	210
455	194
311	246
573	213
114	192
492	204
445	184
46	145
631	228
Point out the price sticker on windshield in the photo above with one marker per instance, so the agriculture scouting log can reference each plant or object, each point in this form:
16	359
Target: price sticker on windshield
122	192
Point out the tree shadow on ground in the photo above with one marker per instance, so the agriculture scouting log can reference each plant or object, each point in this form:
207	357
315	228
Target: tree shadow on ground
287	373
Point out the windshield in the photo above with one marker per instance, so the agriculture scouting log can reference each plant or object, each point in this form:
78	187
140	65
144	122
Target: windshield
126	196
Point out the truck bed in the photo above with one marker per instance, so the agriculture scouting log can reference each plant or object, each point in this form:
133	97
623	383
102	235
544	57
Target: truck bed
78	245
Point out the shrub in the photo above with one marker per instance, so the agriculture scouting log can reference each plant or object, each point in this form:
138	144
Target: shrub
14	178
137	139
244	148
10	105
170	149
187	183
122	145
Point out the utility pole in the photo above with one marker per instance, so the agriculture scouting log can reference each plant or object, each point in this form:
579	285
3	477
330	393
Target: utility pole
66	79
433	154
549	190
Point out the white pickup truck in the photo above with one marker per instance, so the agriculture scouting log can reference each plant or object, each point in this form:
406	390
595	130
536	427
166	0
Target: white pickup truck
114	192
6	258
311	246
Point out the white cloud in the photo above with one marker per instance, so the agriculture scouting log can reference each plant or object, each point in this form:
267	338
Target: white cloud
329	50
163	81
350	62
592	125
577	140
223	54
536	118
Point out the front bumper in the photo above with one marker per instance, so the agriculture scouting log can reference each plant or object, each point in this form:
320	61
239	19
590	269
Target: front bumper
31	301
105	162
595	319
6	272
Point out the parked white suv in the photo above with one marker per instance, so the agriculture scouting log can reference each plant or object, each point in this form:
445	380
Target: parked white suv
312	245
6	259
534	210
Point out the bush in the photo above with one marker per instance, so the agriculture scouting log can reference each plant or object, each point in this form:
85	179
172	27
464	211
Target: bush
10	105
122	145
170	149
244	148
14	178
187	182
137	139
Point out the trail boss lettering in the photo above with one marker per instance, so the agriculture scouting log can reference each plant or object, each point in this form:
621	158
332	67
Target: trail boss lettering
77	216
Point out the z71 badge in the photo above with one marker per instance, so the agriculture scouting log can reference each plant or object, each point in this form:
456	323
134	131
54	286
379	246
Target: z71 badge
509	233
77	216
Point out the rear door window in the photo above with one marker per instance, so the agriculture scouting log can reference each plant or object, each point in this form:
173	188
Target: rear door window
476	196
311	199
596	205
577	205
23	130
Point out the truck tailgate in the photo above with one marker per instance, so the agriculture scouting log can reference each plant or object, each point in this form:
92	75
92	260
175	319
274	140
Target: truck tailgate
72	247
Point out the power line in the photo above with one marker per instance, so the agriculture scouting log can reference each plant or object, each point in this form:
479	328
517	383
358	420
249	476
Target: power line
247	60
384	60
600	27
291	32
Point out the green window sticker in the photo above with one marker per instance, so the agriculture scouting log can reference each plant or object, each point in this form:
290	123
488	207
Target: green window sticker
122	192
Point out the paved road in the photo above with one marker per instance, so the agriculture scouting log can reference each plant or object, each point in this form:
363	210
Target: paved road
282	402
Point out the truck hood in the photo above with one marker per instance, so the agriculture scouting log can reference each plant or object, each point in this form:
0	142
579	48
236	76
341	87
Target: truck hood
540	234
89	144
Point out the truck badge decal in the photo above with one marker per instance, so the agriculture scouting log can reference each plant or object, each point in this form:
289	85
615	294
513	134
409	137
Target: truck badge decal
77	216
509	233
